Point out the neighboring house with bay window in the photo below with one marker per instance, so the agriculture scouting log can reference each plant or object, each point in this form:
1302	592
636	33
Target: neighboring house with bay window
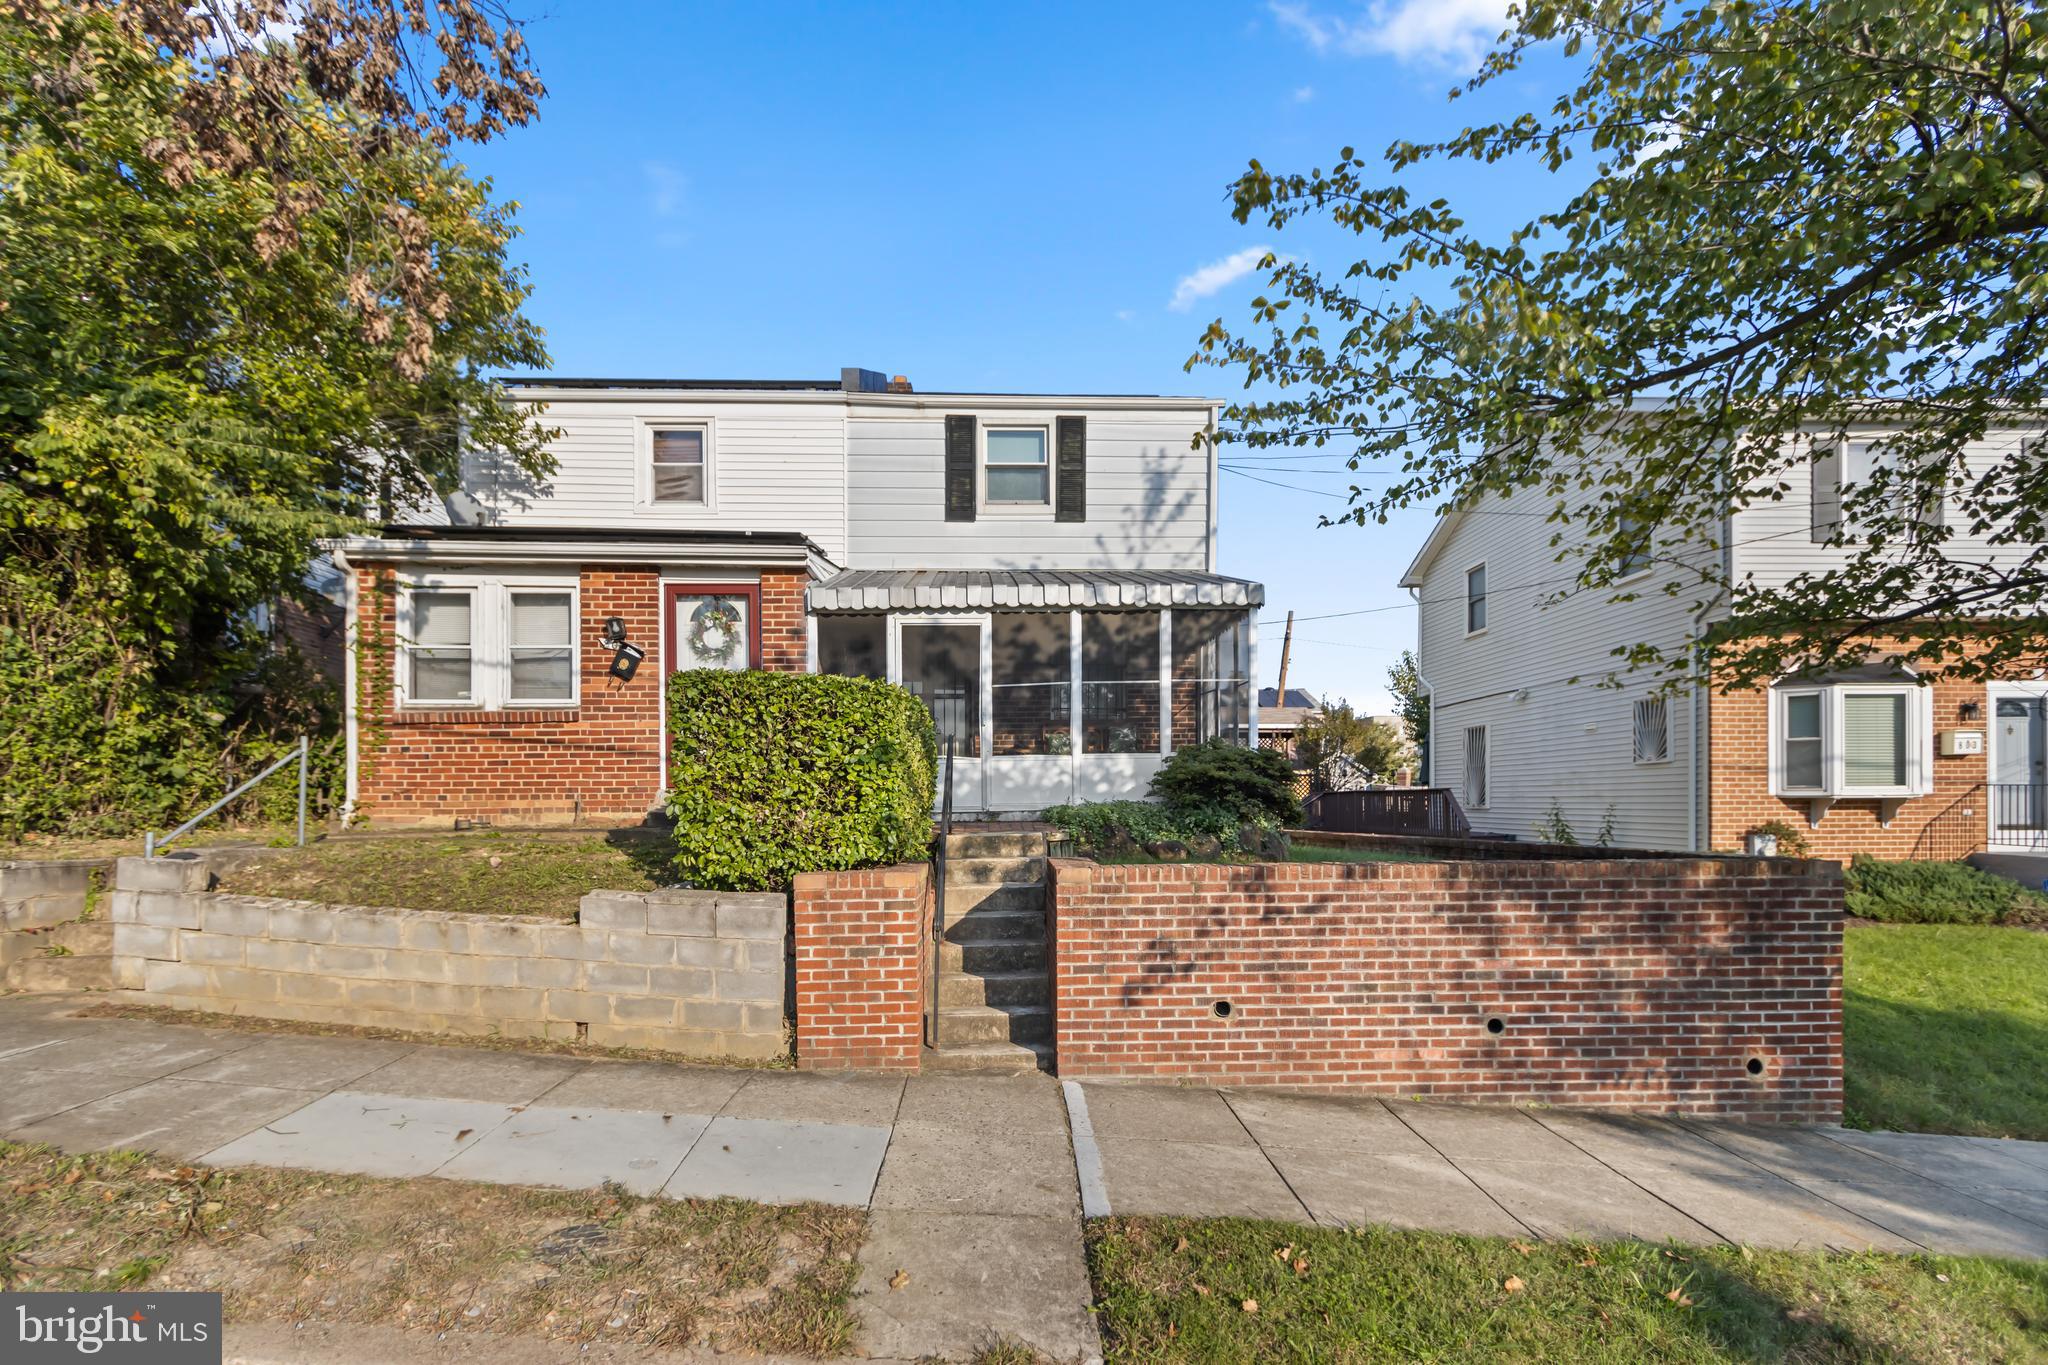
1864	759
1039	568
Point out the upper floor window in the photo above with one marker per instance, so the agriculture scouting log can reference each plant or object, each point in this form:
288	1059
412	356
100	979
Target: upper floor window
1475	599
1017	471
1843	470
678	473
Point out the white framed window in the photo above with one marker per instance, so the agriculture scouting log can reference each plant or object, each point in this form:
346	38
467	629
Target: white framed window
1475	599
1841	470
540	645
676	465
485	643
1636	558
1016	467
1652	730
1475	767
440	647
1834	740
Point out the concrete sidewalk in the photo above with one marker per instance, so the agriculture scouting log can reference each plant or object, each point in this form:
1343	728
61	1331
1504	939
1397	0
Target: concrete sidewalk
977	1184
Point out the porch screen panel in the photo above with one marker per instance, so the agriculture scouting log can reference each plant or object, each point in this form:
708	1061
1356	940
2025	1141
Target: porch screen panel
942	668
1120	689
1032	666
854	646
1211	676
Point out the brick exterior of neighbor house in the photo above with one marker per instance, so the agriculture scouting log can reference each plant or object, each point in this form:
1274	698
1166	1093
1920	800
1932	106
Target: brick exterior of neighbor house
1646	985
1949	822
598	759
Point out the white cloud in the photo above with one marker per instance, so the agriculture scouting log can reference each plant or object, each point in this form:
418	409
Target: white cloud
1206	280
1454	33
666	187
1304	93
1126	315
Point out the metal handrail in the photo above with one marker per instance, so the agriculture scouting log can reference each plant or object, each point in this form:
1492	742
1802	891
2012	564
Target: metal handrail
151	845
939	886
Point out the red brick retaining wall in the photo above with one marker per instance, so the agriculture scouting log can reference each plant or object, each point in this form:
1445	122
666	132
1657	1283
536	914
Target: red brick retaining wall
860	967
1649	985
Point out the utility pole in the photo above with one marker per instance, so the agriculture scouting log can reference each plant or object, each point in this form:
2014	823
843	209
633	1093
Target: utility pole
1286	648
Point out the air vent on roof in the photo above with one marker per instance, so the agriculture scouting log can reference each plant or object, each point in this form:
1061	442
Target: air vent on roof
856	380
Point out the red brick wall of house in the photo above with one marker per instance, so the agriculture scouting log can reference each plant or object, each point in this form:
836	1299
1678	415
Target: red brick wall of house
1947	823
600	759
783	639
1646	985
861	967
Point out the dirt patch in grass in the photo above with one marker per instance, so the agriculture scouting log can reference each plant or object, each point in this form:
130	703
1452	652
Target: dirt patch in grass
491	872
240	1023
1238	1290
435	1255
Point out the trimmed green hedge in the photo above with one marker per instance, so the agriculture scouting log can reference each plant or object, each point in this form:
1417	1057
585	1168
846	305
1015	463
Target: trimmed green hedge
1253	784
772	774
1910	892
1096	824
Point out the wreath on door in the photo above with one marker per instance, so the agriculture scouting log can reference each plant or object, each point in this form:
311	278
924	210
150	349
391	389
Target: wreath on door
715	631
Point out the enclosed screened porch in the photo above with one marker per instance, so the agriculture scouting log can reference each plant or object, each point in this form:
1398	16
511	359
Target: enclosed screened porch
1050	687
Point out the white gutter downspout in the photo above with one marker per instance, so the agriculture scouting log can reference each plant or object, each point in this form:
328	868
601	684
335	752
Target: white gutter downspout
348	686
1428	691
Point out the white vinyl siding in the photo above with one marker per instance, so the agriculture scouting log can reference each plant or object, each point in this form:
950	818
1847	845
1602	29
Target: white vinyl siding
1148	497
770	467
1550	737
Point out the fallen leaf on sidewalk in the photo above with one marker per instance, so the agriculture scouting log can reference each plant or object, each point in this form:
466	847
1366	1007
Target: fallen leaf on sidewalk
463	1133
899	1279
1513	1284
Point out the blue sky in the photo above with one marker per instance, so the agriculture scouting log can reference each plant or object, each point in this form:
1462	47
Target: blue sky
981	196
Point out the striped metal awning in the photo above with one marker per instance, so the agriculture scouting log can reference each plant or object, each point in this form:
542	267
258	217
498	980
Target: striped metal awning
980	589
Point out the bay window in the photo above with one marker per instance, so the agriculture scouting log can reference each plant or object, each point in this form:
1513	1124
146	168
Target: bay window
1851	739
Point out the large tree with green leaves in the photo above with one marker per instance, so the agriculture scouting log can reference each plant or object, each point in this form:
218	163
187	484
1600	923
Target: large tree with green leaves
1776	223
209	359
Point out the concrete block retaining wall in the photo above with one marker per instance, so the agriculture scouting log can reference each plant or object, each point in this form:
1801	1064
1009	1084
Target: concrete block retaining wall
40	895
695	972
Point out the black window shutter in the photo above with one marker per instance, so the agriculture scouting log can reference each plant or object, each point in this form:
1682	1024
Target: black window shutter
959	468
1073	470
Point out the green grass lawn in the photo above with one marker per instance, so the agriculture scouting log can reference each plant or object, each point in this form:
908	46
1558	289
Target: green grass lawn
1237	1290
1946	1029
481	872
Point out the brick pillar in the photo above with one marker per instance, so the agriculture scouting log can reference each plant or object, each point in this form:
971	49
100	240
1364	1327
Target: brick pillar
860	967
782	622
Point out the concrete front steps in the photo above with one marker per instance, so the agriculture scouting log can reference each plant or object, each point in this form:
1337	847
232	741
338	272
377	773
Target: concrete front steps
87	964
995	994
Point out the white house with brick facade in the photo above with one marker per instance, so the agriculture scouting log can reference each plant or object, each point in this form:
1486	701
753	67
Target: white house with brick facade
1040	568
1869	760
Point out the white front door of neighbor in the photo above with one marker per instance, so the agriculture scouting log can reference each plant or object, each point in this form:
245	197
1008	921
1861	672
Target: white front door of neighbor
944	662
2019	769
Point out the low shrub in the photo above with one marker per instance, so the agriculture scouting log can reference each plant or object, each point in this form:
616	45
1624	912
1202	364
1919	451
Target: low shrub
772	774
1099	824
1921	892
1252	784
